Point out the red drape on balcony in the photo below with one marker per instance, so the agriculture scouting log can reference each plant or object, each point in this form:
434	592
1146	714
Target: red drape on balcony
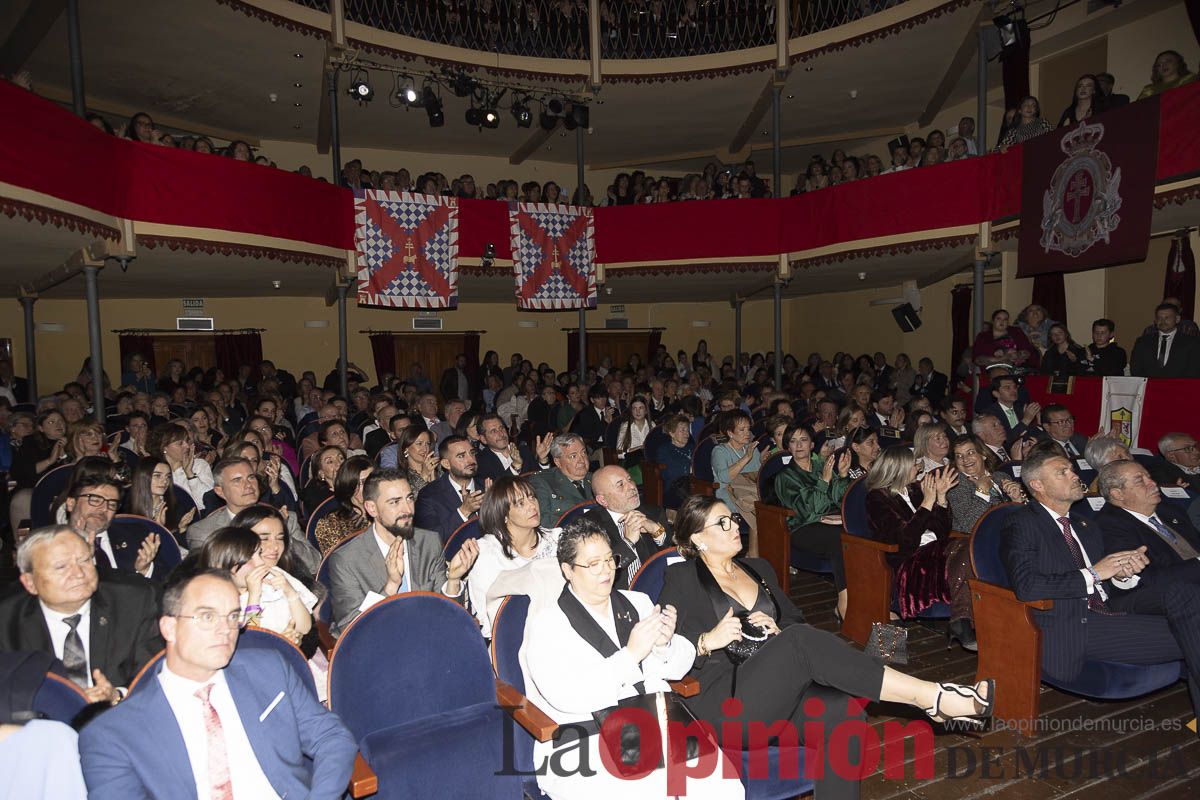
235	349
1180	280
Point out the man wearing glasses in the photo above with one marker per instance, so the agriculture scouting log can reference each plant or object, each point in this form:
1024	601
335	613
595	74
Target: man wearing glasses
1059	424
101	632
210	722
90	510
1181	466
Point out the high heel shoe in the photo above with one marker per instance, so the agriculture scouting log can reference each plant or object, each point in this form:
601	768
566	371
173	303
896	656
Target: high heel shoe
963	632
984	704
837	617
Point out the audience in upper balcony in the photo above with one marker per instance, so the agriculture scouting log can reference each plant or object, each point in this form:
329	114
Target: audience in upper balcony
1169	71
1027	124
1167	352
1088	101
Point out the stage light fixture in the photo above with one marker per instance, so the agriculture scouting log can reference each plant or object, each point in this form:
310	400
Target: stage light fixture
474	117
360	89
1013	30
410	95
547	121
554	106
580	113
522	115
433	107
462	86
491	118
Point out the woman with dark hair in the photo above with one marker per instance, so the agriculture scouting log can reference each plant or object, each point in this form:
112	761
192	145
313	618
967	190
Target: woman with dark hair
173	443
350	517
141	129
735	465
42	450
621	193
204	145
511	537
1027	125
632	432
1063	356
1169	71
208	439
491	366
863	447
418	457
98	122
172	376
152	495
1086	103
813	486
239	151
752	645
325	465
551	193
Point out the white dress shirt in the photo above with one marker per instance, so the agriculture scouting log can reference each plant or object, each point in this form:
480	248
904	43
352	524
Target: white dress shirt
246	774
1166	356
59	630
200	482
1120	583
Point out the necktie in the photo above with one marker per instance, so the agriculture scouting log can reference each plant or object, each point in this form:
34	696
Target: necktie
1011	414
1002	454
1096	598
74	658
579	485
1162	350
635	563
220	785
1181	547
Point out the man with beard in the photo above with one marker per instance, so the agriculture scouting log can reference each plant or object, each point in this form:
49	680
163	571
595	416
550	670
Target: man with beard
392	557
90	509
455	497
500	455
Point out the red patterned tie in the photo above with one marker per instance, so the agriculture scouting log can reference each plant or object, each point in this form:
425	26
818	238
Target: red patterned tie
1095	603
219	782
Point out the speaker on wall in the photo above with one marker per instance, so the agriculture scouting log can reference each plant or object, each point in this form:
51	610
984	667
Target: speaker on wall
906	317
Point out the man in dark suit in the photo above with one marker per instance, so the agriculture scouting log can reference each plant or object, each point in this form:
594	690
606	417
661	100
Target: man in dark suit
930	383
455	497
1181	462
1059	424
392	556
90	510
593	419
209	721
1017	417
1165	353
501	456
566	485
1051	554
1134	515
101	632
457	383
1106	82
636	530
377	436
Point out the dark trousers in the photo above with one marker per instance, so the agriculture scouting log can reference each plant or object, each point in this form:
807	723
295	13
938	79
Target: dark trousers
1159	623
825	541
800	664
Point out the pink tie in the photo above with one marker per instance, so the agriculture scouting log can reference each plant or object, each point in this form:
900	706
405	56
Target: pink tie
220	784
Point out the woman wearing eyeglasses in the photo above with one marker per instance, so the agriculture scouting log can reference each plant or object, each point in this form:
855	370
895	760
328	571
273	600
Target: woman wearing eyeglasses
752	645
592	650
173	443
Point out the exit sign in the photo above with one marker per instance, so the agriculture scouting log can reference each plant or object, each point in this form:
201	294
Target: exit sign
193	307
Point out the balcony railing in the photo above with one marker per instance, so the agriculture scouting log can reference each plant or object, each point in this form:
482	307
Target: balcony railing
629	29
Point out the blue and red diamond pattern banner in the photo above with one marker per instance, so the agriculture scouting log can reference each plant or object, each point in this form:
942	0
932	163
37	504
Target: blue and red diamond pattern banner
554	256
407	250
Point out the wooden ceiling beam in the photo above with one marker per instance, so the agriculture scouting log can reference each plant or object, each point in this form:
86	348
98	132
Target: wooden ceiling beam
754	118
28	32
537	138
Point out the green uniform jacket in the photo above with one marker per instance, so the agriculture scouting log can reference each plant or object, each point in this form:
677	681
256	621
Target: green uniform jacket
556	494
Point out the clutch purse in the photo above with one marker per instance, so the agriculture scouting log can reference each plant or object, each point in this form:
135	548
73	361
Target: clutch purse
662	707
888	643
753	638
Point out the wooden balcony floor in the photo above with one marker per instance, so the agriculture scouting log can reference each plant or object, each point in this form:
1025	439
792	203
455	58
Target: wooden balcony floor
1075	734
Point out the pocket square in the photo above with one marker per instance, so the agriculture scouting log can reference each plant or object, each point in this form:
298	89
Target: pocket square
267	711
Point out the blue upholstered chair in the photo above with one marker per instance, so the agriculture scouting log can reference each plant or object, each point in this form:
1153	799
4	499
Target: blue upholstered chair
262	639
702	471
48	487
411	680
1010	642
574	512
650	576
327	506
774	536
184	503
59	699
468	530
132	529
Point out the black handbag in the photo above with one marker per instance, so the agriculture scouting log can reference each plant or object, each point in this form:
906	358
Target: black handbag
753	638
889	643
662	707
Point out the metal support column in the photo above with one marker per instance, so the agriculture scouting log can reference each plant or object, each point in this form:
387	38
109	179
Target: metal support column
737	337
778	334
976	313
75	50
343	362
579	163
30	348
335	134
90	275
583	365
776	142
981	96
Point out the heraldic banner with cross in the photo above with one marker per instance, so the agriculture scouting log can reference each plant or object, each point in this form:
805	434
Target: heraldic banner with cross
1087	192
407	250
554	256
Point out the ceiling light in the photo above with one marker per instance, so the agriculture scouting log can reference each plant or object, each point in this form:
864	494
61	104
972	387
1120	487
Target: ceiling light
522	115
298	85
577	116
1013	29
547	121
491	119
298	104
298	55
409	93
474	117
462	85
555	106
433	107
360	90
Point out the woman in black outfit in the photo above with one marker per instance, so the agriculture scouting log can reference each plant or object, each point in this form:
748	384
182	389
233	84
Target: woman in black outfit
1063	356
41	451
723	600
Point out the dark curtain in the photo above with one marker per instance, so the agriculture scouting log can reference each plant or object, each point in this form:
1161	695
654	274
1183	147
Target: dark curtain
1049	293
960	325
471	351
1193	12
1015	66
383	350
131	343
1180	280
652	345
572	350
235	349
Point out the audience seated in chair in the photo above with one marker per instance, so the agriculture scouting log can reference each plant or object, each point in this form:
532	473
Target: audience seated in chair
636	530
980	486
568	483
90	507
1181	462
348	517
735	464
455	497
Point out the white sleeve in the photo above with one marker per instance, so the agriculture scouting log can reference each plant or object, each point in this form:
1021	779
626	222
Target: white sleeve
667	663
566	671
481	577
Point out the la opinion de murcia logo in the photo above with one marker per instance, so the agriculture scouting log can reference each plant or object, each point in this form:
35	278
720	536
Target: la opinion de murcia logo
1080	207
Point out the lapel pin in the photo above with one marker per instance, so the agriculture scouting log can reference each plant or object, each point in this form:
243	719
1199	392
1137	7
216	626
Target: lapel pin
103	621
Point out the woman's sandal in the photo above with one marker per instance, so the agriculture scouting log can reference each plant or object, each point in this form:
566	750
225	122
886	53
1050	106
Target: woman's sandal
984	704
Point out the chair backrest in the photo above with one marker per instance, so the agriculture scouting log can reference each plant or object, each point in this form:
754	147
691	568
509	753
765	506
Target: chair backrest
575	511
652	574
305	472
767	473
48	487
59	699
184	503
420	651
985	544
147	670
1147	460
655	439
702	459
468	530
327	506
169	554
324	611
854	510
508	632
710	429
262	639
611	431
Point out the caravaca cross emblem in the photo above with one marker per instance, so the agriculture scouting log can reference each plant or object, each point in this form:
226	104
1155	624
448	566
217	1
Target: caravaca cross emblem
1080	207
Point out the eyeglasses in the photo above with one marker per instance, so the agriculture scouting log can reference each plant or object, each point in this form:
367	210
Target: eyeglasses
97	500
600	566
725	523
208	620
1063	421
1186	449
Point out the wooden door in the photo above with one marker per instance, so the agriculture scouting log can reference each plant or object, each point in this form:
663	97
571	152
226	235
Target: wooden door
198	350
435	352
617	345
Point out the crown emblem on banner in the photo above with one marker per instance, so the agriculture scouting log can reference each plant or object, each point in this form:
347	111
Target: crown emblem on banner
1079	209
1083	139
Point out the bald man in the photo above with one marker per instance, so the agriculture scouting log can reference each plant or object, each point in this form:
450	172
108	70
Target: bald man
636	531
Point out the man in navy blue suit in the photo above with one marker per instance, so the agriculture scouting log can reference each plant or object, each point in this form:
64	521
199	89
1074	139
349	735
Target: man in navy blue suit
1052	554
501	456
212	723
455	497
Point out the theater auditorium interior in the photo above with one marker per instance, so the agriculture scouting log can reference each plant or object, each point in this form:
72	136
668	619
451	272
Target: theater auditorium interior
669	398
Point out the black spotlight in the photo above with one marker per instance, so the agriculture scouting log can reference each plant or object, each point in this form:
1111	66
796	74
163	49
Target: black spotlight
555	107
491	119
462	86
522	115
547	121
474	117
1013	30
489	255
360	90
433	108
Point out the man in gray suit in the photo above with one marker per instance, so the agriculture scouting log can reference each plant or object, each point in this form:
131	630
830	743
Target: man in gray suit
392	557
234	482
568	483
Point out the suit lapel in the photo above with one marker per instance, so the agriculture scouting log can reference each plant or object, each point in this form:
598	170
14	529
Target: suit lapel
160	726
376	566
248	705
99	632
34	635
1089	536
